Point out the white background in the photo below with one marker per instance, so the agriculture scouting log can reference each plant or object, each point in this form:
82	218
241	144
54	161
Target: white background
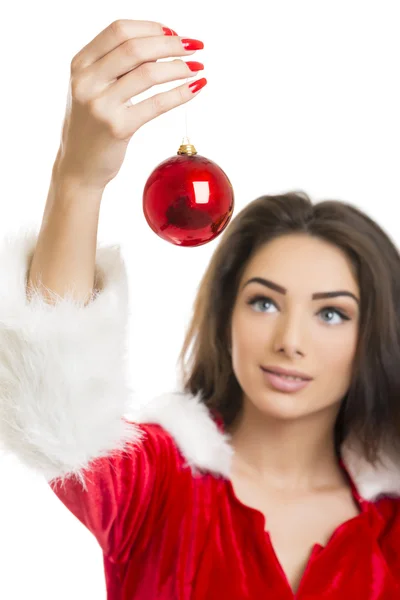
300	95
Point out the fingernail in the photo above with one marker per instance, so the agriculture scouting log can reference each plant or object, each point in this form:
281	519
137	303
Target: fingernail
195	66
196	86
190	44
169	31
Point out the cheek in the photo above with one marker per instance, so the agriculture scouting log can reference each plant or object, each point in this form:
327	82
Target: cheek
249	337
334	358
251	348
338	347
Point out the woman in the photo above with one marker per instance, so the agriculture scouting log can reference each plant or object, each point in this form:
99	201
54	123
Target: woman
273	471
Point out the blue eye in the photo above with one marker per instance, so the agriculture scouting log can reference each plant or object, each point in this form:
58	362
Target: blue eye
257	299
329	309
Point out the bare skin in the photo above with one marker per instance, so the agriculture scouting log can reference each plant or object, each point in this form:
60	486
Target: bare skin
284	463
121	62
296	521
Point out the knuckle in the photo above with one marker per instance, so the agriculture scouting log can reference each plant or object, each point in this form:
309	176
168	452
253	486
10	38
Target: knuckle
132	47
74	64
116	130
96	110
183	68
179	65
148	71
159	104
119	29
182	95
78	89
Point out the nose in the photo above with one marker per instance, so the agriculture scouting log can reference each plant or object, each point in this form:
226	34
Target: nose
289	335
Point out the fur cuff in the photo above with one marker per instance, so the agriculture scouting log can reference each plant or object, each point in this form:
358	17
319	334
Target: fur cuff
63	390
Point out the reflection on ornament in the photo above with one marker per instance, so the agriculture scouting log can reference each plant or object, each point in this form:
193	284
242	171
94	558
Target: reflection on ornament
188	199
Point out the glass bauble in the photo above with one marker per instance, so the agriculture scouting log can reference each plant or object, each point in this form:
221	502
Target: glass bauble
188	199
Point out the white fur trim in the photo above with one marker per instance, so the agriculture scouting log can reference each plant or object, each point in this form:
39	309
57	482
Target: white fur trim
63	388
195	433
203	445
63	392
384	479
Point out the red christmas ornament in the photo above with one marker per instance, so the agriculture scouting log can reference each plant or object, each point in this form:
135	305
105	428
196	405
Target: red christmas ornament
188	199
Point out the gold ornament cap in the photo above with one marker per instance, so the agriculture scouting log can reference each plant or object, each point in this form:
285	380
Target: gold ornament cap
186	147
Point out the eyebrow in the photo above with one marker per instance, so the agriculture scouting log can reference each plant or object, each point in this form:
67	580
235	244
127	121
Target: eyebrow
316	296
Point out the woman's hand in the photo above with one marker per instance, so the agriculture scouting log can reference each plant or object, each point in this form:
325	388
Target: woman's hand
100	119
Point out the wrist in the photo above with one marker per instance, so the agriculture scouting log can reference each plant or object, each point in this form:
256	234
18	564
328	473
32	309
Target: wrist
64	178
69	195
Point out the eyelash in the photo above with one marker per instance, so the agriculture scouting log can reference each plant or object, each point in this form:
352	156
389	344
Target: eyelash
259	297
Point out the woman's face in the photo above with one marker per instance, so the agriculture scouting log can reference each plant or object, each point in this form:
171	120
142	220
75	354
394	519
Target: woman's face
292	330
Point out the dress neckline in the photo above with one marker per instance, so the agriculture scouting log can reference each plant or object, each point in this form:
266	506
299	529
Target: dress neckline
368	520
345	529
361	502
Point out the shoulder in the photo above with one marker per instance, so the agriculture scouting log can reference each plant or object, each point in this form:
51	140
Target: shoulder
388	509
187	424
148	463
153	452
157	446
125	495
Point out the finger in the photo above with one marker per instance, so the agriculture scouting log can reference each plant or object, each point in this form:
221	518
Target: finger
111	37
135	116
132	54
129	56
145	76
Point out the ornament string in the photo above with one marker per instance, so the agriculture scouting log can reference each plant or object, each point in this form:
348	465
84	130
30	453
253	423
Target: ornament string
186	138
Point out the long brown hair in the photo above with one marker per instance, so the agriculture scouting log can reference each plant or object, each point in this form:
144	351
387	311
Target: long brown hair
371	407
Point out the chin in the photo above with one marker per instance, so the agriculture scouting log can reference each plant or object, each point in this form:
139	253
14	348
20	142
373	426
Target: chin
282	415
284	407
278	405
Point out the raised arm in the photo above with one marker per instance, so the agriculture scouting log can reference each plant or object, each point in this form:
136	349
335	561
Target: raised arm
65	252
63	297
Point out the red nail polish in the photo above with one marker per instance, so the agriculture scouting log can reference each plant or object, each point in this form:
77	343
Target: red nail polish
195	66
169	31
196	86
190	44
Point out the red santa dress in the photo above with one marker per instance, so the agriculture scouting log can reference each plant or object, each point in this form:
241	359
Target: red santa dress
154	487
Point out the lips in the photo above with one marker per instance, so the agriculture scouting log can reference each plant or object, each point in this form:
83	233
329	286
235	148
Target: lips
281	371
282	384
